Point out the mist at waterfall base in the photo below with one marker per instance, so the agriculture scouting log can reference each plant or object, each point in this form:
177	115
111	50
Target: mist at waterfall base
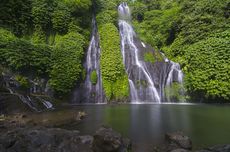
148	82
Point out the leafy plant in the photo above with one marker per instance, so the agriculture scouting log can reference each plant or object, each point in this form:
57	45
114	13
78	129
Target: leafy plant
61	18
21	55
93	77
207	72
16	16
175	92
112	67
67	62
23	81
195	34
149	57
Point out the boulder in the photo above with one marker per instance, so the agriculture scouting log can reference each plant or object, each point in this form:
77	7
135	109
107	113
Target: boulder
44	139
178	140
179	150
40	139
219	148
107	140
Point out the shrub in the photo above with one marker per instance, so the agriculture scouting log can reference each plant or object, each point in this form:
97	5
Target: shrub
93	77
112	68
108	16
22	56
175	92
61	18
149	57
23	81
67	62
208	69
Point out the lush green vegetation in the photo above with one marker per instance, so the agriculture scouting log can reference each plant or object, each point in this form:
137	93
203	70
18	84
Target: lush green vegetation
208	67
175	92
114	78
47	39
149	57
93	77
193	33
115	81
153	57
23	56
66	67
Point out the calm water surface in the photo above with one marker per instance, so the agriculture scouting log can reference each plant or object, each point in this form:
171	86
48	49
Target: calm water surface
146	124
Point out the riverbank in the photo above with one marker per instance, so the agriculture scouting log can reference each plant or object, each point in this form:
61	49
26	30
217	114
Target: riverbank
58	131
21	132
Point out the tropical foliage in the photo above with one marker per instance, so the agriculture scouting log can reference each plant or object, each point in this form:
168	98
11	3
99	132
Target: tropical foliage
48	38
113	75
93	77
51	36
67	61
193	33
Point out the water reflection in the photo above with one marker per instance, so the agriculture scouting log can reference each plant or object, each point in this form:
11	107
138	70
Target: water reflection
146	124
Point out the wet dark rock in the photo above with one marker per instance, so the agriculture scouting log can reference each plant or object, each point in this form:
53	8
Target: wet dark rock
180	150
40	139
107	140
20	116
219	148
44	139
177	141
127	143
16	98
10	104
86	139
2	126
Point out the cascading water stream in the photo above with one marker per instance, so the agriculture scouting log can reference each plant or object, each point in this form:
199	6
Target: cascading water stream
147	81
37	103
132	61
91	92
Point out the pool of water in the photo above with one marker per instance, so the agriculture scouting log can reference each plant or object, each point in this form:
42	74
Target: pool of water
146	124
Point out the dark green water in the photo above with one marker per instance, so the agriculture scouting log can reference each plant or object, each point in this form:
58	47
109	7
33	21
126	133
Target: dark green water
146	124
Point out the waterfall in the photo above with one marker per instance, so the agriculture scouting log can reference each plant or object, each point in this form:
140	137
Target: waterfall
94	91
91	92
133	64
147	81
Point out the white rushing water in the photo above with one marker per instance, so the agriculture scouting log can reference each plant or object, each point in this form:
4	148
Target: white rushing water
34	102
94	92
127	41
175	68
147	81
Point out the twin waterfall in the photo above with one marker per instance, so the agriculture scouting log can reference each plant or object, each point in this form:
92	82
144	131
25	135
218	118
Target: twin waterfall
147	80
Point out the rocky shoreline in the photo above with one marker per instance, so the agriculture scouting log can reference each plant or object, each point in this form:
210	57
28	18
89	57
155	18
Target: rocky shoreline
41	139
20	134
